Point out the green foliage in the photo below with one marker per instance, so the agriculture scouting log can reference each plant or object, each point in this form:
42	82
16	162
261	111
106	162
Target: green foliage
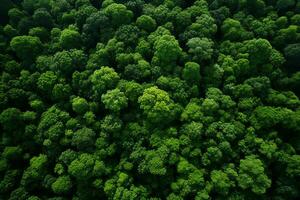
146	22
61	92
200	48
70	39
157	105
149	100
292	53
204	26
127	34
42	18
26	47
167	50
82	167
10	117
191	73
284	5
80	105
66	62
118	14
293	166
114	100
47	81
36	171
104	79
221	182
39	32
267	116
62	185
233	30
259	51
83	138
251	175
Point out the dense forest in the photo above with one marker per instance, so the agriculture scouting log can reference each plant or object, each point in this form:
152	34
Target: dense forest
150	100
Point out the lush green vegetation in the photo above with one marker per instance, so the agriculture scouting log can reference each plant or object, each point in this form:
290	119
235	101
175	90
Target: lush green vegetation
140	99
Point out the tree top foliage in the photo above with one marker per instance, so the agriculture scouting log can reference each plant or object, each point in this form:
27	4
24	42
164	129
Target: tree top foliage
149	100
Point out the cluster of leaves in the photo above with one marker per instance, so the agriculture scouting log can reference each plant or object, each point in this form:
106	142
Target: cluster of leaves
139	99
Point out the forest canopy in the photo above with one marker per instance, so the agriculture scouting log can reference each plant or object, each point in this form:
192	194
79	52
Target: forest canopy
150	100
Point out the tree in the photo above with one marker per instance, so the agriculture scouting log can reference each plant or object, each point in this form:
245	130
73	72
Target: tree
111	124
284	5
193	129
82	13
10	117
128	34
39	32
34	174
264	28
252	176
200	48
70	39
191	73
114	100
131	89
95	23
8	182
295	19
178	90
293	169
167	50
213	155
257	7
19	193
286	35
119	14
144	48
233	30
82	167
139	72
221	182
140	99
81	81
189	181
67	156
259	51
80	105
61	92
203	27
43	18
267	117
51	127
100	58
10	31
292	53
160	13
146	23
26	47
192	111
104	79
83	139
66	62
12	153
47	81
15	15
209	106
157	105
62	185
182	20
